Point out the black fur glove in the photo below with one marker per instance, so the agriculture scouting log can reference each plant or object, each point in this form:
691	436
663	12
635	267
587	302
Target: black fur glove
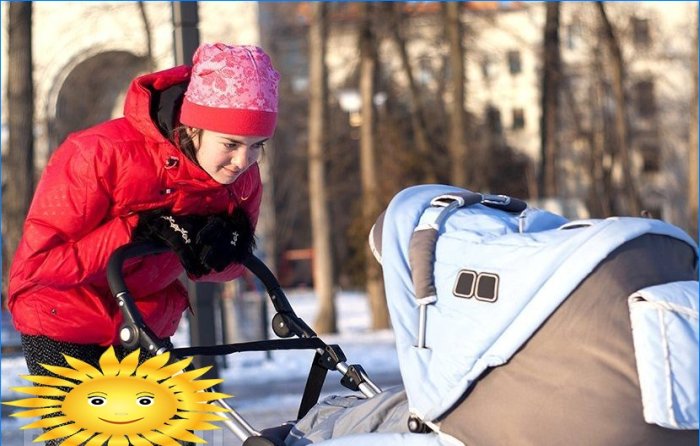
178	232
225	239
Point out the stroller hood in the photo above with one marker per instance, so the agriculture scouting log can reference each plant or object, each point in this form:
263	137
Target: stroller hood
497	275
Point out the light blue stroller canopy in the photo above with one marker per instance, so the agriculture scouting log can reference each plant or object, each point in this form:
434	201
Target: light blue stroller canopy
513	326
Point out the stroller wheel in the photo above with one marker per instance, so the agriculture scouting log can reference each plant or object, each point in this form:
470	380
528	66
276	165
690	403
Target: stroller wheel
280	327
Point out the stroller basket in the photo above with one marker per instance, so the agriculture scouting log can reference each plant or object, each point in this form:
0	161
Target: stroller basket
134	333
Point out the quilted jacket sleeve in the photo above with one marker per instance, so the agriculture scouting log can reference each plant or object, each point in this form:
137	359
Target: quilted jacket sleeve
68	234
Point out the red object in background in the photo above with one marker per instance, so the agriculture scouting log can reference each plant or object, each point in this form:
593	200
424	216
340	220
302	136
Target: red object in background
296	268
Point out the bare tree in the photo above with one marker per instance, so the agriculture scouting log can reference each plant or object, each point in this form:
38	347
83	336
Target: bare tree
148	34
631	200
601	193
368	164
693	145
417	105
320	221
457	116
17	193
550	103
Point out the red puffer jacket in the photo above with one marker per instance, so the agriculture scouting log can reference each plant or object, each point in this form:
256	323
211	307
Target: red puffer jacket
86	206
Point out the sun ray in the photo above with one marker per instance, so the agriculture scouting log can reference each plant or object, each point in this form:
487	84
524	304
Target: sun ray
137	440
180	385
193	425
66	372
118	440
35	402
36	412
82	366
41	391
202	397
186	376
98	439
48	380
58	432
200	416
156	437
170	369
77	438
129	364
49	422
181	433
152	364
109	364
199	407
195	386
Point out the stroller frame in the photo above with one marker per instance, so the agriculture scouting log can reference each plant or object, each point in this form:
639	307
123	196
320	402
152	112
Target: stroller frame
134	333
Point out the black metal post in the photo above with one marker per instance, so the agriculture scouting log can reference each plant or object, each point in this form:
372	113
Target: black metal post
185	30
185	18
203	323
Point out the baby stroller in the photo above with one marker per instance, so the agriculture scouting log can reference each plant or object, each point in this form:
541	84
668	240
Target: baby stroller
515	326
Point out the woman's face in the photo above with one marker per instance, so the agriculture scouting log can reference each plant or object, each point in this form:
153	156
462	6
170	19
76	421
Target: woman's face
224	157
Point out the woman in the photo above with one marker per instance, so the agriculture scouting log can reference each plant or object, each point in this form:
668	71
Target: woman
179	168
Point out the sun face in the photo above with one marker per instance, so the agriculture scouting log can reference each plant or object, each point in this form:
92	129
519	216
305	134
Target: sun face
122	402
119	405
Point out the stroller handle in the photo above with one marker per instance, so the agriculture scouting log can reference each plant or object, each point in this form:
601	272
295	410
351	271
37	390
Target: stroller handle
116	261
134	331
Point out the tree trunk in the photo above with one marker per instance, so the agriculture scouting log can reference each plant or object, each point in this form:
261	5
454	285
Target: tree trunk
548	186
368	165
693	145
417	106
148	34
320	221
20	154
601	192
457	115
630	195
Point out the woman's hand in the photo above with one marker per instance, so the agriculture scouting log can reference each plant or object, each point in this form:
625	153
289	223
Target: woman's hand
225	239
178	232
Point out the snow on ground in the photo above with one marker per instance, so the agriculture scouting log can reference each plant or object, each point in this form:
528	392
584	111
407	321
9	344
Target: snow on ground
374	350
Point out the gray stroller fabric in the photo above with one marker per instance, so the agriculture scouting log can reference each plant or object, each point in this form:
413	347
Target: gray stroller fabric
337	416
575	381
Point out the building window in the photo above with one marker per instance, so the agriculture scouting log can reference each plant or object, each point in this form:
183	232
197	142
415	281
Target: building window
651	158
644	95
574	35
493	119
514	62
640	32
518	119
488	69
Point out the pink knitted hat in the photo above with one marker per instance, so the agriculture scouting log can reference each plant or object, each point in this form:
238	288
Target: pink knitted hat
233	90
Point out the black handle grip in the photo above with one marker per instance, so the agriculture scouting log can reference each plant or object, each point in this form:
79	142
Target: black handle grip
118	257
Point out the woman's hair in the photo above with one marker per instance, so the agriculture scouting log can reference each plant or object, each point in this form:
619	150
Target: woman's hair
185	141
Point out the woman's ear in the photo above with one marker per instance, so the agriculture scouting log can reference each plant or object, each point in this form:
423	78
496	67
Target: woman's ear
195	135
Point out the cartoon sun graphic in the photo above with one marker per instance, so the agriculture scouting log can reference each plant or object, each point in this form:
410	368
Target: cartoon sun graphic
123	403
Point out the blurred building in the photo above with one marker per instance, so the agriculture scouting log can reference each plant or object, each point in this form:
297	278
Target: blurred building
86	53
503	53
